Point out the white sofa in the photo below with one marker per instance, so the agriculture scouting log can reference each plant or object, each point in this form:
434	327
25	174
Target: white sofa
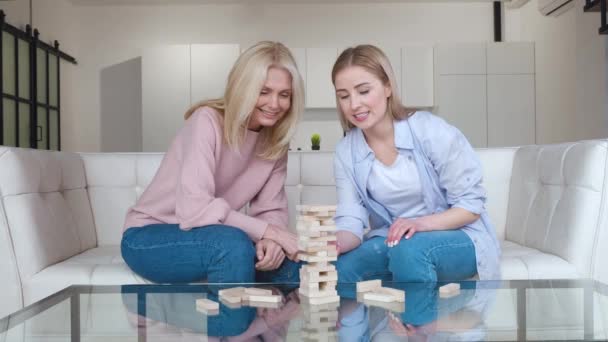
61	213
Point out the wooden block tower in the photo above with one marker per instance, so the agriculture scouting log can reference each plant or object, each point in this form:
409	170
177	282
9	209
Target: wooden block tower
316	239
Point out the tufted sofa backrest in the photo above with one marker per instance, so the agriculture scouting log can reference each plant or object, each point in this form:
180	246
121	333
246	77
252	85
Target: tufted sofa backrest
46	207
557	202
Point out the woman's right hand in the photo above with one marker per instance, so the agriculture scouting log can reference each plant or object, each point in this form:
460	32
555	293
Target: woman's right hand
287	240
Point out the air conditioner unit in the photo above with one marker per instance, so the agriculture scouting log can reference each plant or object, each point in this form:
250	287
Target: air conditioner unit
554	7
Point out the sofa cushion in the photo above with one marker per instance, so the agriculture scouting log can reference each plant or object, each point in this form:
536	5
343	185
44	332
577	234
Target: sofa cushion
521	262
98	266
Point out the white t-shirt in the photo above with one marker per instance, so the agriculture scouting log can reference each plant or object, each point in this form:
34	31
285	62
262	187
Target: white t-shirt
397	187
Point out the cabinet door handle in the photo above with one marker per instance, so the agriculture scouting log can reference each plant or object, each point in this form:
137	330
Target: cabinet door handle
38	133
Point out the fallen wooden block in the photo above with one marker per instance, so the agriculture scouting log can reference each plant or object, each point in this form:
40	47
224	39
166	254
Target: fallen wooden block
233	291
399	295
449	290
263	298
369	285
258	292
207	306
379	297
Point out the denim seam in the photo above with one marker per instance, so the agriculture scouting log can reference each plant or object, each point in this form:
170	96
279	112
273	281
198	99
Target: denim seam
171	244
427	254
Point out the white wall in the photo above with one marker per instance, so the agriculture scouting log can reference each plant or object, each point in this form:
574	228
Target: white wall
109	34
56	20
571	71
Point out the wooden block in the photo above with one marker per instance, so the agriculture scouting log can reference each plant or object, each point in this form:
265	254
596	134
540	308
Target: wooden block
379	297
318	293
306	218
264	298
231	299
449	290
320	300
392	306
329	315
316	208
258	292
318	268
328	222
233	291
230	305
314	258
306	238
207	306
258	304
314	249
369	285
307	308
323	276
399	295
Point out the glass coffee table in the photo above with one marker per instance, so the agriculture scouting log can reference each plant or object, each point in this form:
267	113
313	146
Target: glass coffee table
535	310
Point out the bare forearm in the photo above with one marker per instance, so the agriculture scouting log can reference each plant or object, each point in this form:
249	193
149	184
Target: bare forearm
450	219
347	241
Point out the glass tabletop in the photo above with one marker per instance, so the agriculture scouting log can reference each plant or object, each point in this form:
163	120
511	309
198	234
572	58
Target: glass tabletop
535	310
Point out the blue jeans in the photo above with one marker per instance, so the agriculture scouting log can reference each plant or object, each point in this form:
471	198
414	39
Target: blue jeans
443	255
164	253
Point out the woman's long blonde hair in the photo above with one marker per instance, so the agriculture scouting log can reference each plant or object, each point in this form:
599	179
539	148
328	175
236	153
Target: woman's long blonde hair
372	59
243	88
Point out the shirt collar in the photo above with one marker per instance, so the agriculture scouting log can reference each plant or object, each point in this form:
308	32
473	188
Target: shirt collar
403	140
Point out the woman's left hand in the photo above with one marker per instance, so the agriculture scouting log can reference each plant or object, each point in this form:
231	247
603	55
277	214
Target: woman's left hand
400	228
270	255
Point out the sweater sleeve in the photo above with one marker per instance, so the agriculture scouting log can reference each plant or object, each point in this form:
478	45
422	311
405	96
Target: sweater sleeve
270	204
196	204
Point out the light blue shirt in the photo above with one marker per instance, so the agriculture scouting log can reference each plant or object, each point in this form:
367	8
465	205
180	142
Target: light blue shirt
450	176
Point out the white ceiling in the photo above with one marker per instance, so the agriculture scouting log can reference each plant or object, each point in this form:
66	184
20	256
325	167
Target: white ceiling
250	2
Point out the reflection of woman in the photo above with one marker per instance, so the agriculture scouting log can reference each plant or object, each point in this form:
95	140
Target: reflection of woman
175	314
431	318
413	177
186	226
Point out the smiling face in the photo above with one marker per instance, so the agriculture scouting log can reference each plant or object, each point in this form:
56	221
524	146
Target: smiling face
274	100
361	96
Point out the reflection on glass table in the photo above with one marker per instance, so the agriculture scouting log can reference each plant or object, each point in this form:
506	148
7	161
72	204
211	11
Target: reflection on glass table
563	310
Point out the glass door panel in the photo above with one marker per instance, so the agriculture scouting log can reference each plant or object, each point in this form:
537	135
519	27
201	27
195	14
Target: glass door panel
24	125
9	121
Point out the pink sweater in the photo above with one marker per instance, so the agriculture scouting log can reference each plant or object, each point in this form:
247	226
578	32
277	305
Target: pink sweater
201	181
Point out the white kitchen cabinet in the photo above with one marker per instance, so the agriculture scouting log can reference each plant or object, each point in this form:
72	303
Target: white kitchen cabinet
511	110
460	59
165	94
510	58
417	76
320	91
462	102
299	55
210	66
394	57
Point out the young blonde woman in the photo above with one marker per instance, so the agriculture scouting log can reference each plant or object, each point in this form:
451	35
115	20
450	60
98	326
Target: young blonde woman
412	177
186	226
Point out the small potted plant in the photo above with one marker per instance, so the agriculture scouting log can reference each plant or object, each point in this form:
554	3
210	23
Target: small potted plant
315	140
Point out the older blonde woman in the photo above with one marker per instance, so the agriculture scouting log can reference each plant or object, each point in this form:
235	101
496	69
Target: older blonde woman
231	151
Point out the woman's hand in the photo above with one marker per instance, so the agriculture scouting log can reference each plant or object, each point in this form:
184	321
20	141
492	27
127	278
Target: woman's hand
400	228
287	240
270	255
